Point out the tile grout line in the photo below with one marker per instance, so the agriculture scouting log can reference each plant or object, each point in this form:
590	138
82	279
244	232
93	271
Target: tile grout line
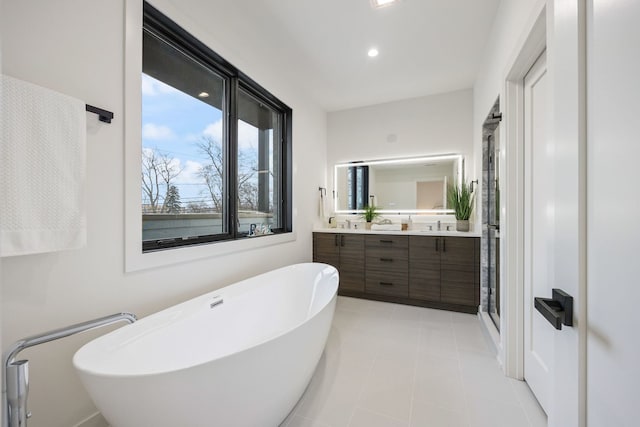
380	414
460	328
300	402
368	376
526	413
415	374
466	398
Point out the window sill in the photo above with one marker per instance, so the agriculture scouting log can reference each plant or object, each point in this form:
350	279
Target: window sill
136	260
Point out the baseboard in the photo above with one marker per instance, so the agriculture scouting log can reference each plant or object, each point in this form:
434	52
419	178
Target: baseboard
95	420
491	334
409	301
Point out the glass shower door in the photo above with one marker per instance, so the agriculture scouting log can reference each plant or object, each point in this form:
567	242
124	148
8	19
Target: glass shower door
493	228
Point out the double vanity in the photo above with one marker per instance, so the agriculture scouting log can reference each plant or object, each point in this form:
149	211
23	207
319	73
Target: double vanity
429	269
427	265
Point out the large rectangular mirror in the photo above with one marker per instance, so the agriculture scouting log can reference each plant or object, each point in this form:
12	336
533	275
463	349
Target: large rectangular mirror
409	185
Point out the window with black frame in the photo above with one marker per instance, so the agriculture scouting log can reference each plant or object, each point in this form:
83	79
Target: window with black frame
357	187
216	147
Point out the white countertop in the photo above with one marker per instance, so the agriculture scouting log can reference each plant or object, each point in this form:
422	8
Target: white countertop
399	233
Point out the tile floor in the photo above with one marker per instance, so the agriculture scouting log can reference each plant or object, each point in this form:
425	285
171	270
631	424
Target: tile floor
388	365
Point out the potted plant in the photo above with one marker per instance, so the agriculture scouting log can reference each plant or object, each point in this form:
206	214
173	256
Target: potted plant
370	212
461	200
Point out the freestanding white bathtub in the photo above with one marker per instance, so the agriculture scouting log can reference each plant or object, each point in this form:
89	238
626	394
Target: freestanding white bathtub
243	362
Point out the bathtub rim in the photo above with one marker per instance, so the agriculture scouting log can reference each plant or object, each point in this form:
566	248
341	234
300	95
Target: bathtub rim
330	302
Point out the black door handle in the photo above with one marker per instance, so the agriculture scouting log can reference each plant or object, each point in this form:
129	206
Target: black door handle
558	310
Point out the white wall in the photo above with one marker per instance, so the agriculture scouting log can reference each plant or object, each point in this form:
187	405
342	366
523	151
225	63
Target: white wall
507	35
77	48
2	408
508	25
595	151
613	348
437	124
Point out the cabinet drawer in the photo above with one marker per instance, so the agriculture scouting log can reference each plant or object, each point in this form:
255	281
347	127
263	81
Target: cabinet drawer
397	253
387	283
384	241
389	261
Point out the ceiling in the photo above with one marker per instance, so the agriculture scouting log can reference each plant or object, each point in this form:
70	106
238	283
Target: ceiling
426	46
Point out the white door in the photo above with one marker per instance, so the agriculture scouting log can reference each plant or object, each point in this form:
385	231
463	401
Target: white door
538	232
613	346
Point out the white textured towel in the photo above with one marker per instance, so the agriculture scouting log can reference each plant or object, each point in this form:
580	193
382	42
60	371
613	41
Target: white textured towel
42	170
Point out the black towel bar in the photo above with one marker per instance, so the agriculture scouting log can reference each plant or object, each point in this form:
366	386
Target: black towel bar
103	115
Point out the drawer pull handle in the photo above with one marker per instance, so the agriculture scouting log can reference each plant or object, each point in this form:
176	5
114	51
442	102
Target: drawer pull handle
386	241
386	284
386	259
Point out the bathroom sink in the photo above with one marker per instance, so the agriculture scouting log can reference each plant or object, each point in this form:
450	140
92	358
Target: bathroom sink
386	227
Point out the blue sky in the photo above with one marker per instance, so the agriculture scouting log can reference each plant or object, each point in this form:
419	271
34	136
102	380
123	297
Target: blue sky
173	123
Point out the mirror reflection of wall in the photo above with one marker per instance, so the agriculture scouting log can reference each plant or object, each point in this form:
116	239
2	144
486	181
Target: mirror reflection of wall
430	194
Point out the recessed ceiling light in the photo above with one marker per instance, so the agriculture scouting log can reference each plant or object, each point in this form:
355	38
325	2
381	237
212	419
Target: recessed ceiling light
373	52
203	95
382	3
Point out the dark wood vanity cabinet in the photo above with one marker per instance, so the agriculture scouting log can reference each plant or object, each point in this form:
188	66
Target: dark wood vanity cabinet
460	271
432	271
445	270
346	253
387	265
424	276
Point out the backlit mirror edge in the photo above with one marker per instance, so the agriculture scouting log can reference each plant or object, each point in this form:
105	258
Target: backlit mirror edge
405	160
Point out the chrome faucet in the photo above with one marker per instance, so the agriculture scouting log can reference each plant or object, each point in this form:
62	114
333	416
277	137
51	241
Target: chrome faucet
16	373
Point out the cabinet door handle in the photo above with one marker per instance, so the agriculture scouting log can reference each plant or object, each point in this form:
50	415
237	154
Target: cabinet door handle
335	240
386	284
386	241
444	245
386	259
437	241
342	240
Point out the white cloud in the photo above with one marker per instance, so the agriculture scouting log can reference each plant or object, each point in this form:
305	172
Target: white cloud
151	86
156	132
147	86
192	137
189	174
247	134
175	165
214	130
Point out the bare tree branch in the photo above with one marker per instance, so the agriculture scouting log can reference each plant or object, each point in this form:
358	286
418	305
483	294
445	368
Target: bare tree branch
158	170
